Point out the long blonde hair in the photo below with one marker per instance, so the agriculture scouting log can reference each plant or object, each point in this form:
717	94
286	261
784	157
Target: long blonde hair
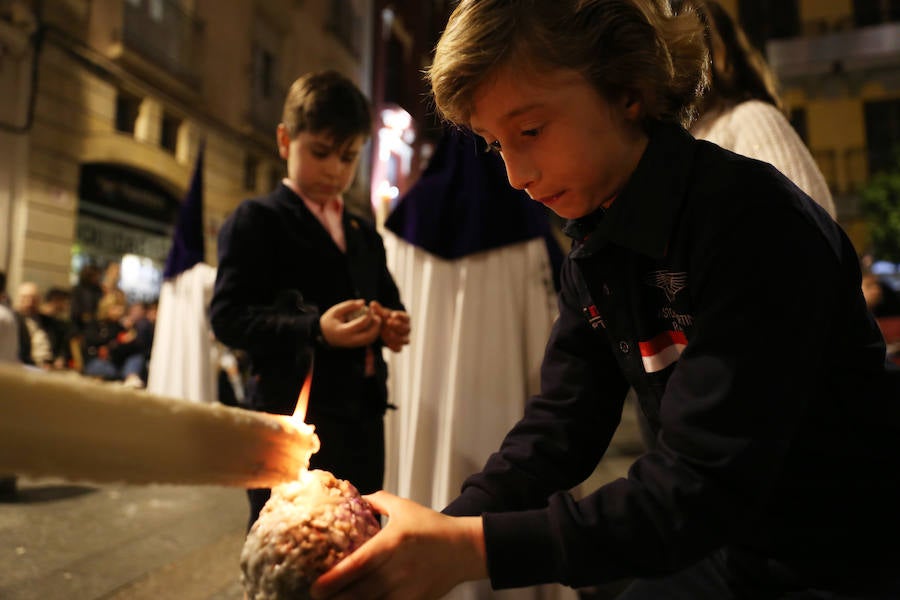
109	300
620	46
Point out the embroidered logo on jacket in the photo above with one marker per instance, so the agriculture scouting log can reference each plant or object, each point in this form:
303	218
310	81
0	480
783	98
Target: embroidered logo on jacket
665	348
670	283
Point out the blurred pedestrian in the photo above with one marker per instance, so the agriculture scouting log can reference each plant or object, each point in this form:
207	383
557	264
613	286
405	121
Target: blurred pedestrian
9	327
138	317
884	304
28	302
113	351
9	353
86	296
111	277
54	318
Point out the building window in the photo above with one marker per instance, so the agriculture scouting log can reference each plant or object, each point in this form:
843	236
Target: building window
764	20
266	94
263	72
882	134
127	108
345	25
156	9
162	32
169	135
395	68
251	167
124	216
875	12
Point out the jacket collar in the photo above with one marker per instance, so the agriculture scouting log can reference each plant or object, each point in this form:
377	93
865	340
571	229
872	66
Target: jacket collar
643	215
350	222
285	195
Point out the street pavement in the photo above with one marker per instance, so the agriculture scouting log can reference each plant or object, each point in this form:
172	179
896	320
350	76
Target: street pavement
62	541
74	542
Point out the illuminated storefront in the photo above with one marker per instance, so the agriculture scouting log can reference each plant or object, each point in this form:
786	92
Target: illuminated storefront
126	217
392	166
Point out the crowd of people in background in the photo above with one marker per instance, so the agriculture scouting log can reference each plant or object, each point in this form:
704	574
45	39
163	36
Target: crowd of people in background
92	328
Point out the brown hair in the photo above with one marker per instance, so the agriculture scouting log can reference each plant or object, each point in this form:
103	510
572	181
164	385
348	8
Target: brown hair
742	73
326	101
620	46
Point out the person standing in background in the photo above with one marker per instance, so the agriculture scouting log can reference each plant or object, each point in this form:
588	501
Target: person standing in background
85	297
9	353
111	277
742	110
28	302
112	349
136	318
9	328
301	280
54	319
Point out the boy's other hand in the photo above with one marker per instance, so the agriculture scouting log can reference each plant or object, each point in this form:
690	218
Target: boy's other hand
395	326
347	325
420	554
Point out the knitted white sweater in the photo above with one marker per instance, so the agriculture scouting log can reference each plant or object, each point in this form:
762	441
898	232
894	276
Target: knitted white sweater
759	130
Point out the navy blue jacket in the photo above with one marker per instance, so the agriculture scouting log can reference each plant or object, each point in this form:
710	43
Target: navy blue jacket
278	271
732	303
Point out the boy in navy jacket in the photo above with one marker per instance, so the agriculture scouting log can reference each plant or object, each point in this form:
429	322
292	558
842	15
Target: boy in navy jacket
774	472
302	284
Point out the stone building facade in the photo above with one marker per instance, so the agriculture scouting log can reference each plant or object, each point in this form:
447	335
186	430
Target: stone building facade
105	104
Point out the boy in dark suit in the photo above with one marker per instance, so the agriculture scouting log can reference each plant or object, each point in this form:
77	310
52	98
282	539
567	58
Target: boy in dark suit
301	281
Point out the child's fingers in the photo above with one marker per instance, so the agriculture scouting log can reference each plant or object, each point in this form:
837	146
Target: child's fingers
346	310
362	330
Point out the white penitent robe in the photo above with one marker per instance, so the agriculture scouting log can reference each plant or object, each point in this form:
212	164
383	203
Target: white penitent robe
479	327
183	359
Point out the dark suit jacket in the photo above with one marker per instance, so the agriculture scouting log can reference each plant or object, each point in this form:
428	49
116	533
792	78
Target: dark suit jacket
278	271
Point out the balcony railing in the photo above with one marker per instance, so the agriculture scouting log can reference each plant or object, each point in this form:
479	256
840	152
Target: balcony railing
872	47
165	35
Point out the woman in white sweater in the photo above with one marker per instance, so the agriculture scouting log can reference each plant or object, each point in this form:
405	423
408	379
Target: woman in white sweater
742	110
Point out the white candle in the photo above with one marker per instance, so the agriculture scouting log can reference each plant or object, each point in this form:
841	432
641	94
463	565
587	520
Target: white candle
65	426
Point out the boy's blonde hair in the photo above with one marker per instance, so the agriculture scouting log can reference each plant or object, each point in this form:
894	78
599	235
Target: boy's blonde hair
620	46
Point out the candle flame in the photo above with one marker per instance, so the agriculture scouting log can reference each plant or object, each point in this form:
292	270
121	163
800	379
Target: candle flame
303	399
299	421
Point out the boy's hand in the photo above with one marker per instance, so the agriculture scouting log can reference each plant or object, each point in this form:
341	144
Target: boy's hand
344	327
420	554
395	326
